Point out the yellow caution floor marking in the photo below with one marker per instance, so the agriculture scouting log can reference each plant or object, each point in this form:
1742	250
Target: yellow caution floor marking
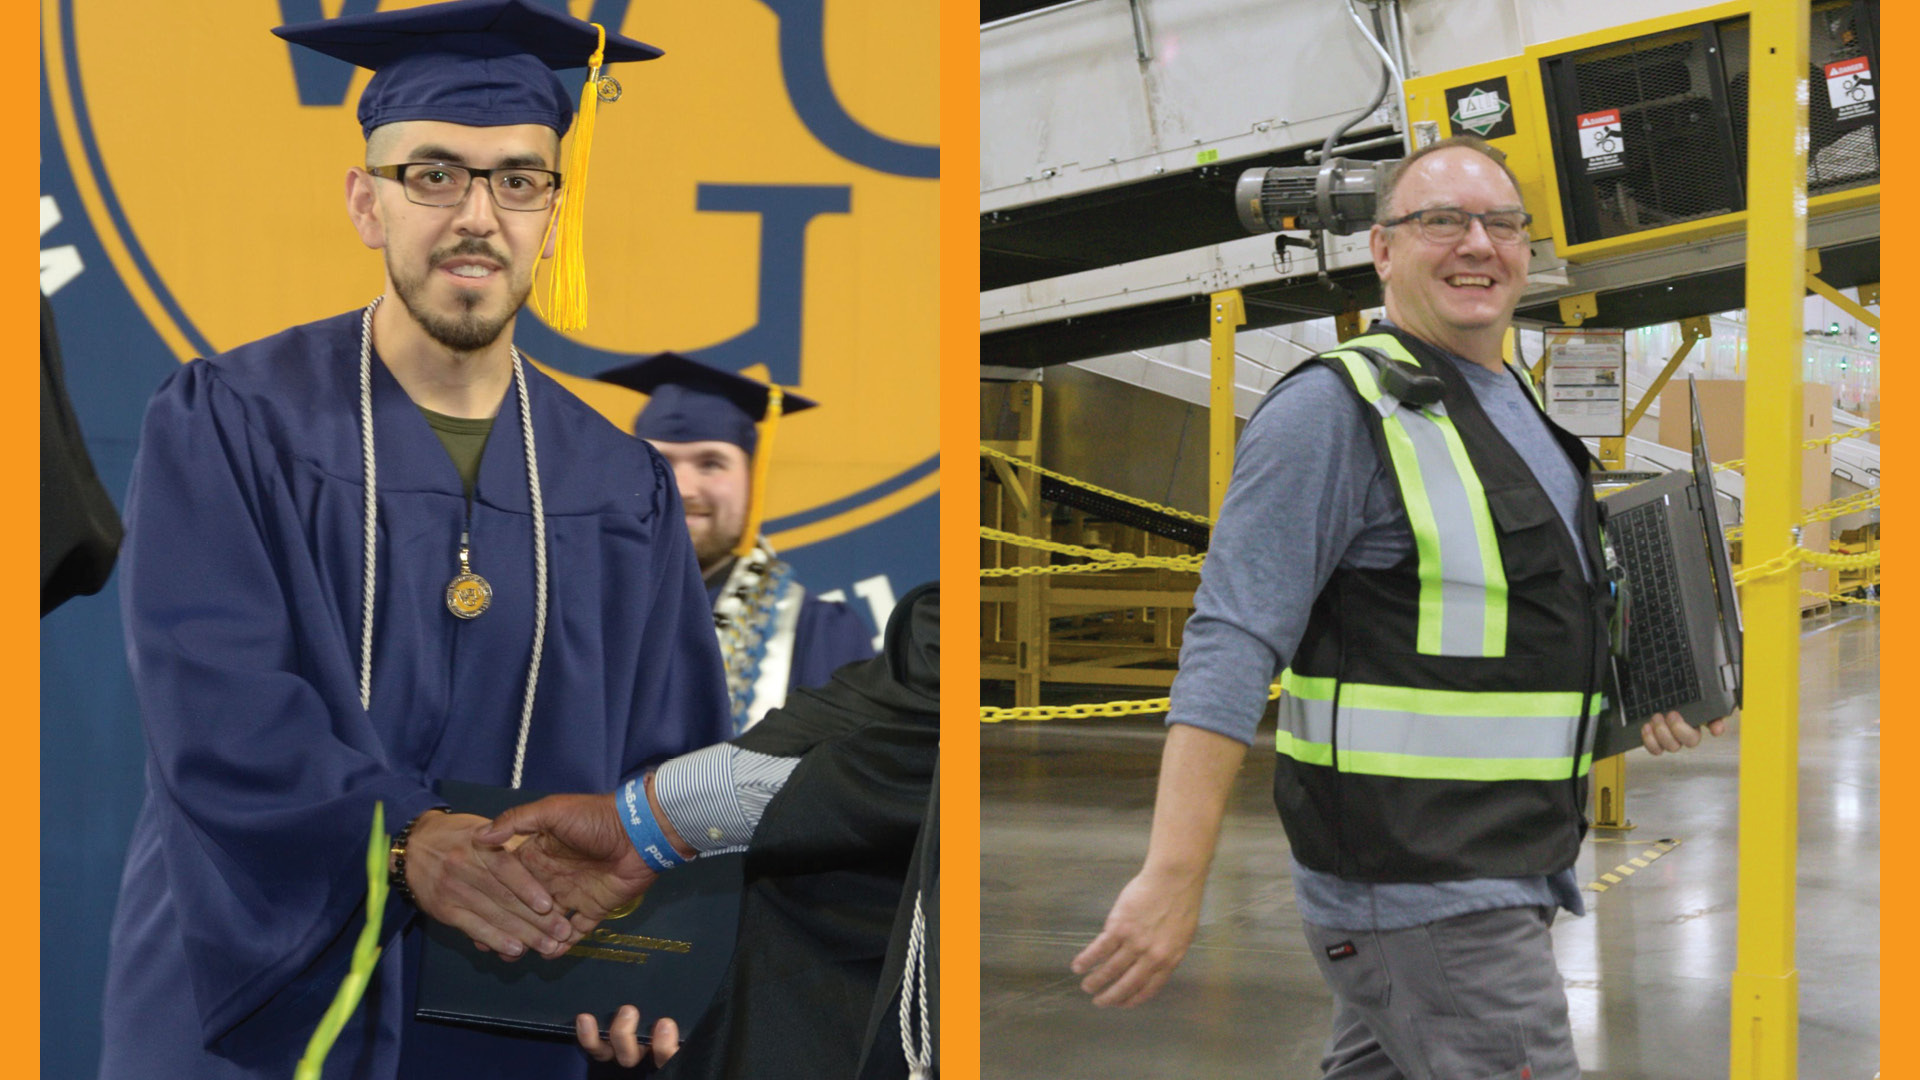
1631	866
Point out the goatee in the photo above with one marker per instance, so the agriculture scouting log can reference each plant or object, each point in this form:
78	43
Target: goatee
469	330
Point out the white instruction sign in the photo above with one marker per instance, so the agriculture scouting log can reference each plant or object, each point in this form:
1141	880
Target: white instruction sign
1850	88
1601	140
1587	380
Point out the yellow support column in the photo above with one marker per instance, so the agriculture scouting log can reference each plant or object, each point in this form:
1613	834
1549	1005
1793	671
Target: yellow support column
1227	312
1030	625
1766	988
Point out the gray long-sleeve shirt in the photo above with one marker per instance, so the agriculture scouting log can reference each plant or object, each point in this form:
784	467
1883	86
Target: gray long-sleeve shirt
1310	493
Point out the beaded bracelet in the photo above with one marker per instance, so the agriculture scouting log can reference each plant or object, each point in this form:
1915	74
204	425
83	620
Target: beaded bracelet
397	858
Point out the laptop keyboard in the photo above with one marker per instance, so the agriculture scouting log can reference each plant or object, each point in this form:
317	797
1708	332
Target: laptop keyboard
1661	673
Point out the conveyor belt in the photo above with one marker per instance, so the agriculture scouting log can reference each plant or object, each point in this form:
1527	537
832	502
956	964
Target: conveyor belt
1108	508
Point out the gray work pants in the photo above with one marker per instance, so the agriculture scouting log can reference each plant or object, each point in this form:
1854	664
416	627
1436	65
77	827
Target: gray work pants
1475	997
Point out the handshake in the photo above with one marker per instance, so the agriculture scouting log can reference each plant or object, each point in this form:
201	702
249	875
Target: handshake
537	878
540	877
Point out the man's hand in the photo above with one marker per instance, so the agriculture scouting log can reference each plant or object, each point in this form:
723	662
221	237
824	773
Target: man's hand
1154	920
579	850
1146	935
622	1043
1666	733
479	889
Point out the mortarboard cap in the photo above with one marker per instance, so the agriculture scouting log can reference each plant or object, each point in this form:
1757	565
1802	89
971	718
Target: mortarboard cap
482	63
486	63
691	402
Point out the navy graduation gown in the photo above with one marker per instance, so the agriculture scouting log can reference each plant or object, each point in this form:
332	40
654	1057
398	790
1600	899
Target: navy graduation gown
241	586
828	637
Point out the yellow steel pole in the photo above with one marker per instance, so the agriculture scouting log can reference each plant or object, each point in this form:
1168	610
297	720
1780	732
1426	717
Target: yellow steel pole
1227	312
1030	633
1766	988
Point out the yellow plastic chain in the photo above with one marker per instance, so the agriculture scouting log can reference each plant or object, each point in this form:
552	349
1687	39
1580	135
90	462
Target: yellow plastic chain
990	715
1841	507
1108	560
1810	444
1785	561
1839	599
1185	563
988	451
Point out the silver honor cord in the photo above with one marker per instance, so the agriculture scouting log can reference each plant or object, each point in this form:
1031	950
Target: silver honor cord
539	567
371	535
370	541
913	985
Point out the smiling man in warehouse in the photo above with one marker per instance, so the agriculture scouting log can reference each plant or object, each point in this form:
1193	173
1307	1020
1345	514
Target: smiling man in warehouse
1410	545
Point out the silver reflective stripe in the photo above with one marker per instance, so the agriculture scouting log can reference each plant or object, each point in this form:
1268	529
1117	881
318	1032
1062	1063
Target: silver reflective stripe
1463	586
1462	578
1427	735
1430	734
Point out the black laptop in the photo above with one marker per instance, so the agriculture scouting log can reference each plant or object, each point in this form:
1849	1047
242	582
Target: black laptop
1678	645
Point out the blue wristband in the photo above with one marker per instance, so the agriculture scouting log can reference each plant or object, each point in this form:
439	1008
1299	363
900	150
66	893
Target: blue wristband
647	836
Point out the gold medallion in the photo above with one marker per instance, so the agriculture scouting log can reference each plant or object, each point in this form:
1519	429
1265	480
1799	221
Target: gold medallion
625	909
468	595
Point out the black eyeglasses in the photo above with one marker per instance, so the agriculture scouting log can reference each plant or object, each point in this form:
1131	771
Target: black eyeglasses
435	183
1447	224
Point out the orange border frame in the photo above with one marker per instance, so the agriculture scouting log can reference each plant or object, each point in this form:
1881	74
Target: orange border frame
20	634
959	550
1899	803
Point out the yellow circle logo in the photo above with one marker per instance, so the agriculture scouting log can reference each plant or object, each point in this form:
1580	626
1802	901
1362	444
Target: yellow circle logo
763	199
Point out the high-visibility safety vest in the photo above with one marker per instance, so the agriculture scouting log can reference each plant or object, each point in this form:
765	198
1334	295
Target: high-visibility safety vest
1438	716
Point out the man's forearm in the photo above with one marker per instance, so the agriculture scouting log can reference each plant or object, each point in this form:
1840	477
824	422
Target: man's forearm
1197	772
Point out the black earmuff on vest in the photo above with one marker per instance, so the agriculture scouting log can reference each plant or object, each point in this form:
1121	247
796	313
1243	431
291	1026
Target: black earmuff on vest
1402	381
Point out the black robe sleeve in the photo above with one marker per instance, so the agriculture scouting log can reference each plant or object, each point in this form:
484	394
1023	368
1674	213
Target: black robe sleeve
832	872
79	529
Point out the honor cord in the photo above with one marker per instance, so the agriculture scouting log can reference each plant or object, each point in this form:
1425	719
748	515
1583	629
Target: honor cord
371	534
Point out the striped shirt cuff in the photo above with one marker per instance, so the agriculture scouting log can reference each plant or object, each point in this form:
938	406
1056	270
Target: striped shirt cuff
714	797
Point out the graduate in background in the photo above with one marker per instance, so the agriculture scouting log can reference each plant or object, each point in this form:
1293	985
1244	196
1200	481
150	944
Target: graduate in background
339	586
717	429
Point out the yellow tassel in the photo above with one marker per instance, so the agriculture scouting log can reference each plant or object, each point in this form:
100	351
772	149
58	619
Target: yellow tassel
567	286
762	458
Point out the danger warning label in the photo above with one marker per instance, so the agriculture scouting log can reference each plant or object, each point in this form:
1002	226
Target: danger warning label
1850	88
1601	141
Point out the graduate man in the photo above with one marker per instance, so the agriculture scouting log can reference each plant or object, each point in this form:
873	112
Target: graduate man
366	554
716	428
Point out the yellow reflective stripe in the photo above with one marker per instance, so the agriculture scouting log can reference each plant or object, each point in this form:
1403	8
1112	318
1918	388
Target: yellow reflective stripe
1302	751
1436	702
1386	343
1415	767
1526	380
1311	687
1494	573
1426	535
1360	372
1490	605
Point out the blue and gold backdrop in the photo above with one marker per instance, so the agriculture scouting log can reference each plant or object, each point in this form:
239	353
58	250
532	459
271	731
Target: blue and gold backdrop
762	197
